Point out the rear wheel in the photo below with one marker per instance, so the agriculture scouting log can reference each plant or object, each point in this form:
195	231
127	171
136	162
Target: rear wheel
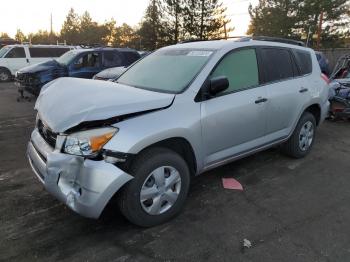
5	75
158	190
302	139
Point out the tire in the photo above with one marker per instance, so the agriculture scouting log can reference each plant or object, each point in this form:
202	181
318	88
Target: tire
147	169
294	146
5	75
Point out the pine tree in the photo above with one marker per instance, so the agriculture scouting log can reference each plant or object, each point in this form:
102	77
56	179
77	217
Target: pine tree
205	19
152	30
299	18
174	19
70	28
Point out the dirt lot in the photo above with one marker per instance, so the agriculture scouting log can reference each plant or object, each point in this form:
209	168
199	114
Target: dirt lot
291	210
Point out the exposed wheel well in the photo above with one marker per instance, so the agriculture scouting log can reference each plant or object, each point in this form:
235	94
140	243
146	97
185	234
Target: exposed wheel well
6	69
182	147
316	111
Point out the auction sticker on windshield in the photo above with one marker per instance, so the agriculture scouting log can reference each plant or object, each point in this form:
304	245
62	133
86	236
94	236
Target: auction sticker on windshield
199	53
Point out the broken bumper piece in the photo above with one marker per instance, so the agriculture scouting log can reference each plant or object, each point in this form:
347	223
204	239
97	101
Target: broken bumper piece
84	185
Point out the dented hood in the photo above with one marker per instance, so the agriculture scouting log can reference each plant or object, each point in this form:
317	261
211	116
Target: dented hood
66	102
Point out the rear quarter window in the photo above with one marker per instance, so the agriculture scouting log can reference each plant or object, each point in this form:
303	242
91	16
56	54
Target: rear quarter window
57	52
112	59
131	57
277	64
304	62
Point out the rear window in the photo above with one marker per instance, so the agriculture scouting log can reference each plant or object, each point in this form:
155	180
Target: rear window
304	62
277	64
47	52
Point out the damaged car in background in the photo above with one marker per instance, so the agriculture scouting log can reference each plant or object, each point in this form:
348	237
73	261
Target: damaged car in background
177	113
339	94
79	63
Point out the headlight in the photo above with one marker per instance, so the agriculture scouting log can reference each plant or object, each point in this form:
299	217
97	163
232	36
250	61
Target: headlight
88	143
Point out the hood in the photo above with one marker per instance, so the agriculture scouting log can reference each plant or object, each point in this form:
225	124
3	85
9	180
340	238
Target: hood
67	102
111	73
41	67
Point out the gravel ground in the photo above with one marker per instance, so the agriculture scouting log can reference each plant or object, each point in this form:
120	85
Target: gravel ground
290	210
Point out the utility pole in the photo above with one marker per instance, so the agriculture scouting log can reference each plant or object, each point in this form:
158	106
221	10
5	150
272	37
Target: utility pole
51	31
319	31
225	30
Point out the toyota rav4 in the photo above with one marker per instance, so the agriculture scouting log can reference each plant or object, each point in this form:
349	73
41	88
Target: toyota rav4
177	113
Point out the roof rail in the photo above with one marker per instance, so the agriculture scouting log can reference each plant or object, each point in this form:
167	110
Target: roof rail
213	39
249	38
278	39
93	46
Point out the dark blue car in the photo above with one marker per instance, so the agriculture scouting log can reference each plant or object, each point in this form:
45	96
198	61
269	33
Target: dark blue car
81	63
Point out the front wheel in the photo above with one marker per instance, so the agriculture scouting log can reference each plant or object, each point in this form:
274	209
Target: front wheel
5	75
303	137
158	190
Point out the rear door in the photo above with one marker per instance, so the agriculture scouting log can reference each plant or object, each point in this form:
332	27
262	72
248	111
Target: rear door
234	120
16	59
286	90
86	65
112	59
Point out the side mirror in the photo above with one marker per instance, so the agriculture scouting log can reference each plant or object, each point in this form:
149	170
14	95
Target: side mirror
218	84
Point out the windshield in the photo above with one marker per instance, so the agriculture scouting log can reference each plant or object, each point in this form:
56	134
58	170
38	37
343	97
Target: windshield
168	71
4	50
66	58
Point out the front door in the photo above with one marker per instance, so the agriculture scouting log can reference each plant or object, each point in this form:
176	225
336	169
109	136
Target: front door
235	120
16	59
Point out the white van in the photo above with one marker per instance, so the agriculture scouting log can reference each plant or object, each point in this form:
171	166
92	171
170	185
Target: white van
15	57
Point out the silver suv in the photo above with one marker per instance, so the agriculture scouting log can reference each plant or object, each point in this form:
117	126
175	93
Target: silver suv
175	114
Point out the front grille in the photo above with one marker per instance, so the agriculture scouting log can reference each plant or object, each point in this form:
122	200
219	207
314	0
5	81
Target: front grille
49	136
26	79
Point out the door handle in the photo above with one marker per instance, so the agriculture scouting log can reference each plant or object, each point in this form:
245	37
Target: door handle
303	90
260	100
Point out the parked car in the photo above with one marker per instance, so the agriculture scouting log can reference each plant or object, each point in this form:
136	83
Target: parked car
113	73
324	63
177	113
80	63
15	57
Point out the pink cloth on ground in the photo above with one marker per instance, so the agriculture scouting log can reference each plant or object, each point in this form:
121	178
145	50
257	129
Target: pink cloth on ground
231	183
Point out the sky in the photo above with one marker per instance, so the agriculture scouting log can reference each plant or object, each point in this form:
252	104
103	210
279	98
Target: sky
30	16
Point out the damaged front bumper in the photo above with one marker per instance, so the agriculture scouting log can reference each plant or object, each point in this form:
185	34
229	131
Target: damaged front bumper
85	185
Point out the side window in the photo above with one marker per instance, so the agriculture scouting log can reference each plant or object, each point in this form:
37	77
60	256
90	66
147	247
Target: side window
131	57
57	52
112	59
241	69
89	60
39	52
277	64
304	62
16	52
